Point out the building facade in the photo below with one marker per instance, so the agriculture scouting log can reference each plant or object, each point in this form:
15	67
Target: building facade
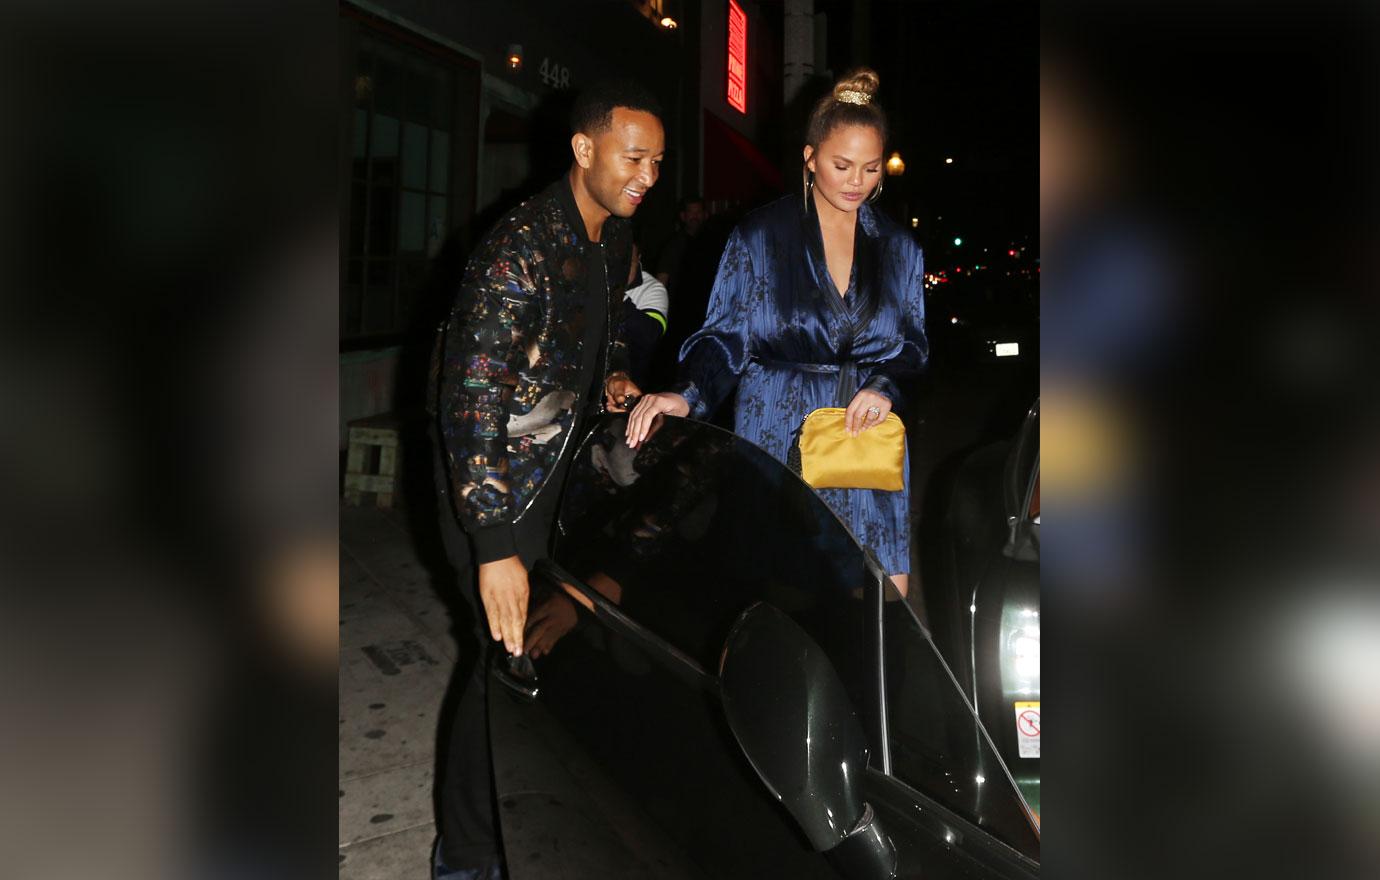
457	111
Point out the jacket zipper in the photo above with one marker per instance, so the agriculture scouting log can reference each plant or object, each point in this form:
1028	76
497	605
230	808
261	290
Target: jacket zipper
608	332
608	318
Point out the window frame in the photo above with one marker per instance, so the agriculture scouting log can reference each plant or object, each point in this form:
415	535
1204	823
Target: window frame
355	333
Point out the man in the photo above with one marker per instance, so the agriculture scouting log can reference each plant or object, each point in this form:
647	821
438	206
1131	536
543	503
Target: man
532	347
686	265
646	306
692	216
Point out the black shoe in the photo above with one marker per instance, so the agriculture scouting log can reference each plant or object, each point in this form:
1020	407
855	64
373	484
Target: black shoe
440	871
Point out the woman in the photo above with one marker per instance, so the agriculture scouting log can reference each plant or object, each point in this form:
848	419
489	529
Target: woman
818	302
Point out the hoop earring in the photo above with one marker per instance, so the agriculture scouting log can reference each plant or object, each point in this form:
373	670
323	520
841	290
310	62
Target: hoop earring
807	183
877	193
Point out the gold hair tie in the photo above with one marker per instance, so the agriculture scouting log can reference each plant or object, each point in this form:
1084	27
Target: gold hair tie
853	96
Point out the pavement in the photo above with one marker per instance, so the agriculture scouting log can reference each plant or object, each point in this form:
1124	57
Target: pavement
563	819
397	655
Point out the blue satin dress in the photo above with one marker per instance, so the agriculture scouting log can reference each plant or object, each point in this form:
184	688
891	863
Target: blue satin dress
779	333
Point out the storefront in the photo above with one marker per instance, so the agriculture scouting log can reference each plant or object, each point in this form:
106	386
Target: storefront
740	97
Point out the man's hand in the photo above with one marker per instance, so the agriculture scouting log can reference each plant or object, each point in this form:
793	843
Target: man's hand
550	622
646	416
503	590
620	390
867	409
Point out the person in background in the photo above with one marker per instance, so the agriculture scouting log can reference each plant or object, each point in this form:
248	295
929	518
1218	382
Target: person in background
685	265
691	217
646	309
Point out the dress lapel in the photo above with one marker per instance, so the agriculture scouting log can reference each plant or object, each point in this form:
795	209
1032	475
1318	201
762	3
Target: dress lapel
814	259
864	294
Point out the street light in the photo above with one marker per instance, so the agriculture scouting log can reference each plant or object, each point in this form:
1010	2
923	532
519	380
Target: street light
515	56
957	241
895	166
669	23
949	161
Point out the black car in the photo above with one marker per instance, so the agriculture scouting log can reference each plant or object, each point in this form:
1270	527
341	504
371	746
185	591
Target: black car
982	592
724	684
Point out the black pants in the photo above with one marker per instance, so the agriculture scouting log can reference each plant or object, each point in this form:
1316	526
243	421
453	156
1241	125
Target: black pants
468	821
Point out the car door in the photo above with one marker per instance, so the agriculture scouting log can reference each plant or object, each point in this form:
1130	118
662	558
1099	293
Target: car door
658	551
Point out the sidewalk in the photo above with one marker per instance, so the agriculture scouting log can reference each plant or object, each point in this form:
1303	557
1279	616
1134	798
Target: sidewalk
564	819
396	659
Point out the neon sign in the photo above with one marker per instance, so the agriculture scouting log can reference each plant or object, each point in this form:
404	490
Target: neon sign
737	57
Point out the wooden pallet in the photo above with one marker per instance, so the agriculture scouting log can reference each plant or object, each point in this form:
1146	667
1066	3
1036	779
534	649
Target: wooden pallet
380	432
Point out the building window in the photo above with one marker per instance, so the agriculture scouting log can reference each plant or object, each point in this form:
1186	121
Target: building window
401	190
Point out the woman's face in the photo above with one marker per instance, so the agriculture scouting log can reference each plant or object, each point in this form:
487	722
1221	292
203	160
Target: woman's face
847	165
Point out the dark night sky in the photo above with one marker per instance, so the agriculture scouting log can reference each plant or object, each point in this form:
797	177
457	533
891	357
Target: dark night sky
959	78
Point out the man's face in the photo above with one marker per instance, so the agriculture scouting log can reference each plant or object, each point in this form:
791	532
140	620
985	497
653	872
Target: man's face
692	217
624	161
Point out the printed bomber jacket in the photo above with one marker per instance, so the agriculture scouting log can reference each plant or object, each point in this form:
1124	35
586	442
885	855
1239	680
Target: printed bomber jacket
506	373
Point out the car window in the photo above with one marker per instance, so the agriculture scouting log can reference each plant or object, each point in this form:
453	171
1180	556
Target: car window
937	744
695	526
1022	465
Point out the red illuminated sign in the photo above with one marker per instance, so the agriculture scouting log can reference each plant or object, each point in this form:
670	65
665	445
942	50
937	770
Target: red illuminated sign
737	57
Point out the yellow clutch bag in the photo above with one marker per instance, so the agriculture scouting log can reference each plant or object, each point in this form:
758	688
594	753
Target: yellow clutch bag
826	457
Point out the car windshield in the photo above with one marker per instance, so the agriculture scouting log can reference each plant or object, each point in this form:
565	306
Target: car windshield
697	524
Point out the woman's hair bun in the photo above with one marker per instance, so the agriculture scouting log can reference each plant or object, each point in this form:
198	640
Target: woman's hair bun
862	80
852	102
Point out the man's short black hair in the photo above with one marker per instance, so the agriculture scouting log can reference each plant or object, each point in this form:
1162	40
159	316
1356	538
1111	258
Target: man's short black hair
593	110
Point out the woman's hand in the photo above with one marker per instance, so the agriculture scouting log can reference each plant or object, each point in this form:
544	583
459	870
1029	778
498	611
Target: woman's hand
868	408
619	391
647	415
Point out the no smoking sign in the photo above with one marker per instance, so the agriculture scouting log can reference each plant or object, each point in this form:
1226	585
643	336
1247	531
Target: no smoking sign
1028	729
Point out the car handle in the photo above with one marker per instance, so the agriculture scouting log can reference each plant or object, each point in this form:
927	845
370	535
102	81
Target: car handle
517	674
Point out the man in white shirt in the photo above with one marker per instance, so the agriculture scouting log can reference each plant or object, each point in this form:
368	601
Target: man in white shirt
646	307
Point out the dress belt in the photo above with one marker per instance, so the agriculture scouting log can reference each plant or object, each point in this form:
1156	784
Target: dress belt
808	368
848	373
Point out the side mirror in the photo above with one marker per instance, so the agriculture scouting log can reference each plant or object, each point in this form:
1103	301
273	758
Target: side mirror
793	720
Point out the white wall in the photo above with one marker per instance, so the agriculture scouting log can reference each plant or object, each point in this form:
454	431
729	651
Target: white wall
367	381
